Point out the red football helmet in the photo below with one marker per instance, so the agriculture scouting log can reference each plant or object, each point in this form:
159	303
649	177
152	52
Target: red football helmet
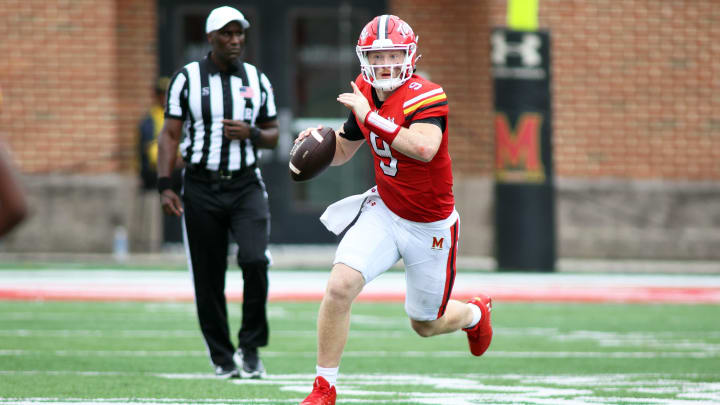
387	33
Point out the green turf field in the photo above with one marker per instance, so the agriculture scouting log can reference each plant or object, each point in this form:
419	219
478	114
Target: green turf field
152	353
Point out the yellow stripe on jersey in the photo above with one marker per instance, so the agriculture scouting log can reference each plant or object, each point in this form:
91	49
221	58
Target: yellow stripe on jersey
422	103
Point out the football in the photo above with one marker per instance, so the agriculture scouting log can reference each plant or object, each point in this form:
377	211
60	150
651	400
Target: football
312	155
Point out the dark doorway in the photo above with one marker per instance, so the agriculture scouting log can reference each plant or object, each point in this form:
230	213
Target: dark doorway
307	50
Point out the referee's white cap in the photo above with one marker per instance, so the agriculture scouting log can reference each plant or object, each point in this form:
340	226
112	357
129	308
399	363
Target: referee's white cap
219	17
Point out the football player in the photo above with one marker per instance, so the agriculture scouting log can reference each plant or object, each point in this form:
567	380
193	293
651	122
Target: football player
410	214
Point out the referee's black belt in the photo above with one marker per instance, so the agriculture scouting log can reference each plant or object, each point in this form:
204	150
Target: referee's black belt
202	173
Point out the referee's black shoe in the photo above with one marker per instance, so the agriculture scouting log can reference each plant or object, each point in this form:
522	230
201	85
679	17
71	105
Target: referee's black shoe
227	372
249	362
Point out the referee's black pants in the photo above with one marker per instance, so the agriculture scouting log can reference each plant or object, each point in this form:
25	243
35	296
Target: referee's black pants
214	209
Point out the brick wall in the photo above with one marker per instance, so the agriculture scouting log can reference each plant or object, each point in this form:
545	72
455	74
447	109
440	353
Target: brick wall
137	68
636	88
636	84
75	76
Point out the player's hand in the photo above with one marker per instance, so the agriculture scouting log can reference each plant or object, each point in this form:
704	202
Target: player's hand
305	133
171	203
234	129
355	101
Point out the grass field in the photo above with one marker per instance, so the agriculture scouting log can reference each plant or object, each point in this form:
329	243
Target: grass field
152	353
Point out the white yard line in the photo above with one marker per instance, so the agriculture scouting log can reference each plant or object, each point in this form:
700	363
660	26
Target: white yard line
393	279
455	389
667	344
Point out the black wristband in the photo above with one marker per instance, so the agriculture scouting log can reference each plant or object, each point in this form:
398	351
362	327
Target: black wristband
255	134
164	183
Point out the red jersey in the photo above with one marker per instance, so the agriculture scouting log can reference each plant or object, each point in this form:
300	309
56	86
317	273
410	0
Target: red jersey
415	190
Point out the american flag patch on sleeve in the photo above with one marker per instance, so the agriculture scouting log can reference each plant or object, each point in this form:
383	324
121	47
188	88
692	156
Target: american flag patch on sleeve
246	92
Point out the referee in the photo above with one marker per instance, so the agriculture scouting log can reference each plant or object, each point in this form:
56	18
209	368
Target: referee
226	110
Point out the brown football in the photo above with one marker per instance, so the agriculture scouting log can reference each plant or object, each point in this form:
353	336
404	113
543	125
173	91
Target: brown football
312	155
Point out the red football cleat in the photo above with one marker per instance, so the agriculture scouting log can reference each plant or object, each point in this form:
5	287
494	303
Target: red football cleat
480	335
322	393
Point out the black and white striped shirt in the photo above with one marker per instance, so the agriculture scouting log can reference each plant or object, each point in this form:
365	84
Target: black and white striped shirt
202	96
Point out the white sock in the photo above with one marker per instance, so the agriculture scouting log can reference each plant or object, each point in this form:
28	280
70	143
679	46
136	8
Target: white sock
329	374
477	314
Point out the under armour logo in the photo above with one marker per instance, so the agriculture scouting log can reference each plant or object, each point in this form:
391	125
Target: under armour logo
528	50
405	30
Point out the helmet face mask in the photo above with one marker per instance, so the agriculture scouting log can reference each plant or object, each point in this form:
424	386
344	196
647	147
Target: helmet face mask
387	33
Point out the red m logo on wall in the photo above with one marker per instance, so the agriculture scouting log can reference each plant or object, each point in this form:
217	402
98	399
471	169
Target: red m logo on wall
517	150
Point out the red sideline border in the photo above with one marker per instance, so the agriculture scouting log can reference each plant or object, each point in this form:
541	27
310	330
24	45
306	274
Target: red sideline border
684	295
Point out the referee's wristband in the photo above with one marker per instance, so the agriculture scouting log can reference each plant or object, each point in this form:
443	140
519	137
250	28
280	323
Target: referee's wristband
255	134
382	127
164	183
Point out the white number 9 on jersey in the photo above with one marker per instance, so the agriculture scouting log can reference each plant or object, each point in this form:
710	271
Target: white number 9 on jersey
385	152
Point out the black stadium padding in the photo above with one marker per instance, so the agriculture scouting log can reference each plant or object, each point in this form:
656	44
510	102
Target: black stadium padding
524	187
